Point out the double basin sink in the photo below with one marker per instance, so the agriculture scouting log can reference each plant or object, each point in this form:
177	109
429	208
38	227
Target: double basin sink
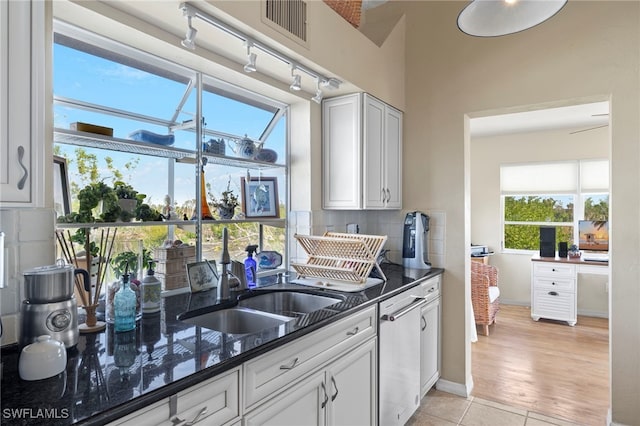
260	311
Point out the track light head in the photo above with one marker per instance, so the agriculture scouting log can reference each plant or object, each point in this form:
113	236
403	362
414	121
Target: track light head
295	86
251	63
318	96
190	36
251	58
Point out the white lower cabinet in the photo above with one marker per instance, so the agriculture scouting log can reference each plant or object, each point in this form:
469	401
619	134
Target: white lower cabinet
213	402
429	336
341	393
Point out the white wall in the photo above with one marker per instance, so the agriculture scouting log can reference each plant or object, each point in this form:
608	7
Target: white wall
487	154
589	50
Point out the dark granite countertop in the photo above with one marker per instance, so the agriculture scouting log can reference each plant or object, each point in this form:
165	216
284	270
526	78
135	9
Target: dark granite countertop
109	374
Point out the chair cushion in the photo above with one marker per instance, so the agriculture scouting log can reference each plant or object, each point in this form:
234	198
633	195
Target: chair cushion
494	292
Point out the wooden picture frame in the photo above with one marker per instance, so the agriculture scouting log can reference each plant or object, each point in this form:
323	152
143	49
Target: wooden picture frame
202	275
260	197
61	194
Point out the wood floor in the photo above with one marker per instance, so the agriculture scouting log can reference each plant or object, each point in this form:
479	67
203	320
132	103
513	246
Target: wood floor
544	366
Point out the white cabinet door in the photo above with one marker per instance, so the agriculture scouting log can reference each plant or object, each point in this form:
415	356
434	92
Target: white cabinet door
301	405
374	151
23	26
393	158
361	153
382	147
430	346
352	387
341	153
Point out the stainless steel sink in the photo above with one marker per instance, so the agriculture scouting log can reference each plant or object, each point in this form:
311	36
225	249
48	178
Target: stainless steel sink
237	321
289	303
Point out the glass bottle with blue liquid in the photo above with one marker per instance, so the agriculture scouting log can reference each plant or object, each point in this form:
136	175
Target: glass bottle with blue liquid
124	306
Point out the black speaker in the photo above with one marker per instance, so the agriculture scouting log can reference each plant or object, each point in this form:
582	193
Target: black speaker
563	249
547	241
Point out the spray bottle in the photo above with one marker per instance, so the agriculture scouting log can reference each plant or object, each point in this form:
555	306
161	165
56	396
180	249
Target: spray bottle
250	266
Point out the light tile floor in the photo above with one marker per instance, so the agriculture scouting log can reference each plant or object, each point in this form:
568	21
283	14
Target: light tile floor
444	409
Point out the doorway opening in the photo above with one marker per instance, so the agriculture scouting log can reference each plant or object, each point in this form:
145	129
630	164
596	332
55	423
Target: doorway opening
570	131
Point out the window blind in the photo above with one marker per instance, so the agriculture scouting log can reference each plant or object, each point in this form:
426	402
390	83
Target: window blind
565	177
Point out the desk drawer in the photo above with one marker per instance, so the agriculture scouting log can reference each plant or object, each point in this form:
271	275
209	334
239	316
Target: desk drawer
554	304
550	269
567	284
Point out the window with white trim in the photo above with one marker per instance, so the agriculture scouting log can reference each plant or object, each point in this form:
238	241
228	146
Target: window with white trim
555	194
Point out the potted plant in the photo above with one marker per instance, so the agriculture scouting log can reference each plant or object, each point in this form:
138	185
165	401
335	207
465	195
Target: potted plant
227	204
128	200
128	261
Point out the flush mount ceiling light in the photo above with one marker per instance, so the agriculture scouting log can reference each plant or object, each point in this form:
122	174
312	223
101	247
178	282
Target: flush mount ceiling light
189	38
318	97
296	80
492	18
251	59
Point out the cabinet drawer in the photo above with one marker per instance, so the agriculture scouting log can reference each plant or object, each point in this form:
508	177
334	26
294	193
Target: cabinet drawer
276	370
156	414
216	400
431	288
550	269
567	284
553	304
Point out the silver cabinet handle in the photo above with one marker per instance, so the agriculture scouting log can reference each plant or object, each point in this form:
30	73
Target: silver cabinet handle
354	332
553	293
388	195
384	196
326	397
289	367
177	421
424	321
335	395
23	179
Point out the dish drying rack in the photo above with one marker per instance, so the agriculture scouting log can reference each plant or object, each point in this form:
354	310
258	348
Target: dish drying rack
341	257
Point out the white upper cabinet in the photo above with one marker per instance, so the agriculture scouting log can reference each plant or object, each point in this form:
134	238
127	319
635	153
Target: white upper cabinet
22	109
362	153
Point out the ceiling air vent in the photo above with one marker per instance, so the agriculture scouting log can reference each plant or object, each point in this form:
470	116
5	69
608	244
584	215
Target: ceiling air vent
289	15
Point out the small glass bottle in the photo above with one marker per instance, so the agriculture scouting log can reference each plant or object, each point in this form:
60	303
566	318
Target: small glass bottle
124	306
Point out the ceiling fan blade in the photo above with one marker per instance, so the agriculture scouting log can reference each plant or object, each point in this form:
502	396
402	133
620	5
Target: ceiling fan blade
586	130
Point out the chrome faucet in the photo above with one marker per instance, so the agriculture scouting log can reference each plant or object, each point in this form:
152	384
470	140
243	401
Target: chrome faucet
225	260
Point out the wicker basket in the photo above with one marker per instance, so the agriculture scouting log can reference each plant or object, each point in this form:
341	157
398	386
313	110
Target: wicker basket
342	257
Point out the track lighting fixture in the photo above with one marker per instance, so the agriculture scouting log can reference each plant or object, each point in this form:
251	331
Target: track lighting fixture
296	80
190	11
251	59
318	97
189	38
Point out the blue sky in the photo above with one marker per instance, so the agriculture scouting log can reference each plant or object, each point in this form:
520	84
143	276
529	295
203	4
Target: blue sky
95	80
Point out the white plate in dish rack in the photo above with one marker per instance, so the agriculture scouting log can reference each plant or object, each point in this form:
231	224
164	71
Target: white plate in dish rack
337	285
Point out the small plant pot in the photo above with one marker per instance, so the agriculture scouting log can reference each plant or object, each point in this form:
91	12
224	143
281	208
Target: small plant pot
226	212
128	207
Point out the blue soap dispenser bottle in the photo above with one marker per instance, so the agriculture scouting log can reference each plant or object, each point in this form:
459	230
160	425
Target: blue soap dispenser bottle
250	266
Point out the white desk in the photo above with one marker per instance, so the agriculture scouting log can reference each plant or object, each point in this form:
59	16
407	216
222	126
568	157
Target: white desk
554	284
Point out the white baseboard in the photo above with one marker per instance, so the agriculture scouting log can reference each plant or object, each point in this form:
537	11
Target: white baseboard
610	422
597	314
583	312
455	388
